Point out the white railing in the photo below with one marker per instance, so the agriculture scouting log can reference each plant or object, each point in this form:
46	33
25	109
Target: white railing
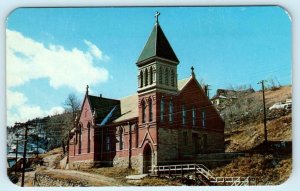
203	170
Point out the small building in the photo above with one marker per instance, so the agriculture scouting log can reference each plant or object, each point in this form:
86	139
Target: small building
165	122
227	96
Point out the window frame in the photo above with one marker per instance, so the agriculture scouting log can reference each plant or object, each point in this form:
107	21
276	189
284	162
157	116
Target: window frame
162	109
203	116
183	110
194	116
171	112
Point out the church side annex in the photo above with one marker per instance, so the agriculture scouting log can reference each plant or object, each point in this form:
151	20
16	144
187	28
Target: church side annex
167	121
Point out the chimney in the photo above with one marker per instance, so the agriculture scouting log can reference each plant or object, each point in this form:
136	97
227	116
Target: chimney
100	95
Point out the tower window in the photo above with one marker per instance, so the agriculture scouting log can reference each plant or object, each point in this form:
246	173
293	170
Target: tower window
141	79
162	105
143	111
167	76
160	76
146	77
203	119
194	116
171	112
172	78
150	110
183	115
151	76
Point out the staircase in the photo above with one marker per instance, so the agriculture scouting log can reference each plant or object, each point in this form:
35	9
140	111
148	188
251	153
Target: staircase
200	173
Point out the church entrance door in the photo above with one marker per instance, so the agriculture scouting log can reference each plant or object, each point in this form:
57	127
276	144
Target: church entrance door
147	158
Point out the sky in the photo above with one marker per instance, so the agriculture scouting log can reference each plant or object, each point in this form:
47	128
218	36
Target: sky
52	52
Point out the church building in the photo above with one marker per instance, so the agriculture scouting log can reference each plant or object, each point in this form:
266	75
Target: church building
167	121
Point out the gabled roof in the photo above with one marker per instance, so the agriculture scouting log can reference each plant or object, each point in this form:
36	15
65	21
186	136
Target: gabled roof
182	83
157	46
102	105
129	108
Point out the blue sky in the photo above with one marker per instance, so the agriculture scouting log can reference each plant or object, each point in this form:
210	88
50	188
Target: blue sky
52	52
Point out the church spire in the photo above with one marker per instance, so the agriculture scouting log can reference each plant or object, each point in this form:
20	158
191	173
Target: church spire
156	17
157	46
87	90
193	73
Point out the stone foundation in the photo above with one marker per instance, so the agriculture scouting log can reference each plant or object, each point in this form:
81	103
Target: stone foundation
77	165
136	162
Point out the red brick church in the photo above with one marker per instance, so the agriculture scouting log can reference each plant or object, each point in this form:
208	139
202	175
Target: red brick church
166	121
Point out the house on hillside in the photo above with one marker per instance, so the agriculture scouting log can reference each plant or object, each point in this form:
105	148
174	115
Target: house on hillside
227	96
165	122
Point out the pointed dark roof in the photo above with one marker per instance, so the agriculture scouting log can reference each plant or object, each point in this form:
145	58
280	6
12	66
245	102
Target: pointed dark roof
157	46
103	106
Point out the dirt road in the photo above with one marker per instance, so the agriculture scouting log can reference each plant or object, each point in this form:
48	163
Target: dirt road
90	179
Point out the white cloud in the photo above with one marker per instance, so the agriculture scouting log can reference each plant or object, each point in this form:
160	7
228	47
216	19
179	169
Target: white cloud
15	99
18	109
28	59
95	51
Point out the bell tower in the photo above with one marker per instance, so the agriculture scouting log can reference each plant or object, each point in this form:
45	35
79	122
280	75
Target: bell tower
157	64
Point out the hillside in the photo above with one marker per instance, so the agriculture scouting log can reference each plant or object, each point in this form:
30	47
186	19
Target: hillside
246	134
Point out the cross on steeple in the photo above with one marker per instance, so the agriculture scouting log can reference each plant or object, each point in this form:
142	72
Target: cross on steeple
192	68
87	89
156	16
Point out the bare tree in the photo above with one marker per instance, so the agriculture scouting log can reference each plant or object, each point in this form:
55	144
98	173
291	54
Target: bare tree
72	104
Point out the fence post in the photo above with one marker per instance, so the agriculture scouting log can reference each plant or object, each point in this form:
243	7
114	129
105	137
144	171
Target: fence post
195	171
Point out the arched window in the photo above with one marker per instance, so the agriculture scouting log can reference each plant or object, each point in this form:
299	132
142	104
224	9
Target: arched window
194	116
146	77
172	78
89	138
143	111
162	108
80	138
160	75
107	143
150	110
167	76
203	119
171	112
141	79
121	139
151	76
183	115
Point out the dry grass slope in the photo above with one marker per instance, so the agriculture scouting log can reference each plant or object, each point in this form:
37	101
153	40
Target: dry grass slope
269	169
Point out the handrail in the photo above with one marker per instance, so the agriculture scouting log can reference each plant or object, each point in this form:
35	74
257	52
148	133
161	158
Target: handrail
202	169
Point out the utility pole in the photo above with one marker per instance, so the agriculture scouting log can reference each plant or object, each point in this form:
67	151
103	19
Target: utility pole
206	89
17	147
26	124
265	115
24	155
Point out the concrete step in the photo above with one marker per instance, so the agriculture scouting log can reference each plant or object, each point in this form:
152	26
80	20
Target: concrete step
136	177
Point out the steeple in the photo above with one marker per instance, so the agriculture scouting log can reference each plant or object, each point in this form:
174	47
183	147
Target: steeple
157	46
157	64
